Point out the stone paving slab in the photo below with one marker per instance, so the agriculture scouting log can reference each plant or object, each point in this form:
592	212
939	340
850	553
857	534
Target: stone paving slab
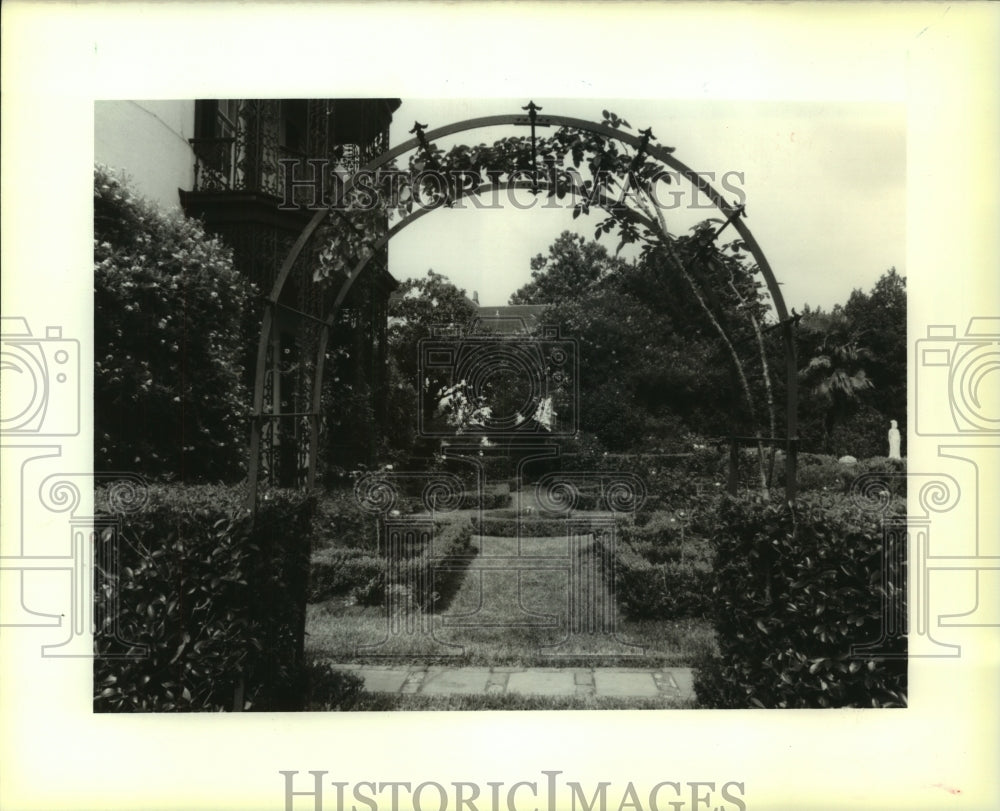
539	682
459	680
624	684
384	680
683	678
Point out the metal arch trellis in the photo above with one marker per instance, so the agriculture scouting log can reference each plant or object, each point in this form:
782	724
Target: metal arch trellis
643	146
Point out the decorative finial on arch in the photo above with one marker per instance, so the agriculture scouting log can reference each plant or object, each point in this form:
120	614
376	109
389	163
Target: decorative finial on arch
533	109
647	136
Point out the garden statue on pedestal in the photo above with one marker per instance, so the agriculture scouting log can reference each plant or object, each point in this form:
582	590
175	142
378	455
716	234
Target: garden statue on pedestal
893	440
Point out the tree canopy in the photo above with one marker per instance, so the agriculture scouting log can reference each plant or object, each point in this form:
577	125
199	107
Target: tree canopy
652	368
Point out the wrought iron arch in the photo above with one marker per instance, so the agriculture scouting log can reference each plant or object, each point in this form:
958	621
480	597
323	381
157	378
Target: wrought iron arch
665	156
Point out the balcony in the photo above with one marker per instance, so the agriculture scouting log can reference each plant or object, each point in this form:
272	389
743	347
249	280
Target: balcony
240	144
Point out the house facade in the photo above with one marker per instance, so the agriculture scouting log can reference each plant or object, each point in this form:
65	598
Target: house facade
225	162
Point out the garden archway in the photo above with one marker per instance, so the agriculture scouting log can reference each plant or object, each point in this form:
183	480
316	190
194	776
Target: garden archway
642	145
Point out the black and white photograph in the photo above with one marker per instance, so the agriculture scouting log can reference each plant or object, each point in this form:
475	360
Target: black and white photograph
507	410
499	406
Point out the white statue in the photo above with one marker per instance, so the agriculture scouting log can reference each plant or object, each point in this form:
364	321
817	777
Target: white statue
893	441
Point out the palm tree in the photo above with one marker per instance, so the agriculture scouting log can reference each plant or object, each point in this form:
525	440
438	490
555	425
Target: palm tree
836	377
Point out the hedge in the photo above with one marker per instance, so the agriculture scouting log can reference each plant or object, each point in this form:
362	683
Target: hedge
361	574
340	522
793	590
219	605
492	497
661	570
329	688
828	474
664	591
339	572
512	527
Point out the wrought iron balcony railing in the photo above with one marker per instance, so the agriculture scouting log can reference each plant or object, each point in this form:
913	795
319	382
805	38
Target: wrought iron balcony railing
214	163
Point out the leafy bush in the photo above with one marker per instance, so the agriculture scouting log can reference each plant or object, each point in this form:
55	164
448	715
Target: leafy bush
794	590
670	479
218	604
499	527
328	688
495	467
168	351
864	432
363	575
662	572
493	497
824	473
661	590
699	461
452	553
336	572
341	523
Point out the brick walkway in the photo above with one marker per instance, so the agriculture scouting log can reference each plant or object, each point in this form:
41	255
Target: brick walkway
617	682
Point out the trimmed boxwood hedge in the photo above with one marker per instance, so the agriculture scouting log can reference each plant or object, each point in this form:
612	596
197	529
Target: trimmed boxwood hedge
338	572
793	591
361	573
661	572
512	527
218	604
663	591
493	497
341	523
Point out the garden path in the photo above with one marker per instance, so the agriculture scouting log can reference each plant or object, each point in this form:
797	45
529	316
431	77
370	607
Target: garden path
602	682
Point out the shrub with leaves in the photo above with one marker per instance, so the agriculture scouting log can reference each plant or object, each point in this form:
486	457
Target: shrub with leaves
822	473
661	570
342	523
361	574
203	611
328	688
168	353
336	572
794	590
514	526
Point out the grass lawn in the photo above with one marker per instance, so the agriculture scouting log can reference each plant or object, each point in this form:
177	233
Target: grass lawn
378	702
501	616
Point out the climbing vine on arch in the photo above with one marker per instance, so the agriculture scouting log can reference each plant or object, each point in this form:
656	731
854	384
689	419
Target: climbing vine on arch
594	174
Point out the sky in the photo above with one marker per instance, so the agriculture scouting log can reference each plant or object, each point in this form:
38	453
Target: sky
824	185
